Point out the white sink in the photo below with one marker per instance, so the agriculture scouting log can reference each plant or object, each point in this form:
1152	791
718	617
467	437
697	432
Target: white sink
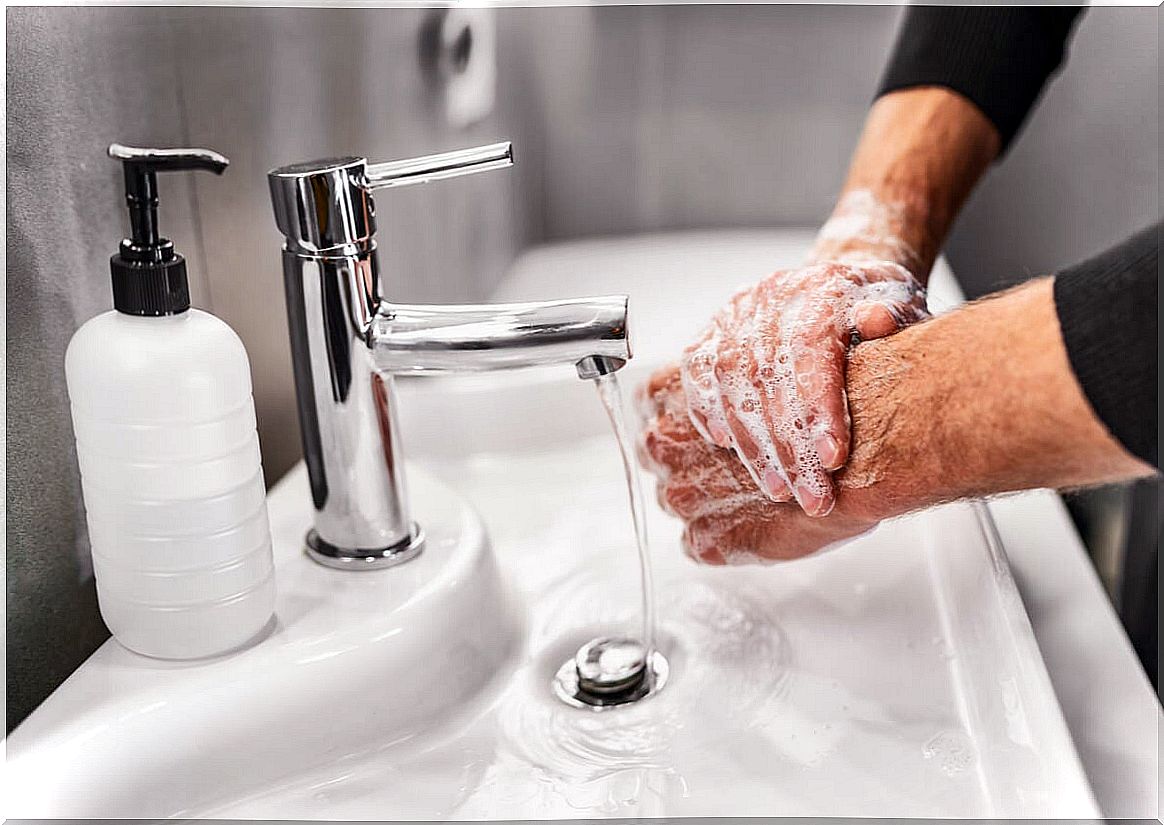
896	676
354	663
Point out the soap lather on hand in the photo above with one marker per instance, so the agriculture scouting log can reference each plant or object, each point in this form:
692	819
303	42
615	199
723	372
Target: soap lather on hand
767	377
818	384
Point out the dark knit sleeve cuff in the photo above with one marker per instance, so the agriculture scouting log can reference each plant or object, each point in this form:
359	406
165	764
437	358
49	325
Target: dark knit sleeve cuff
1108	309
997	58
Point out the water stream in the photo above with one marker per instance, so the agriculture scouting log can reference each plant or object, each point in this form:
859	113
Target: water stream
619	670
611	395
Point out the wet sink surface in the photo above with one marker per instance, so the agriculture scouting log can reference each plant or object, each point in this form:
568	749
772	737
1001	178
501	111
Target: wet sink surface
834	685
895	676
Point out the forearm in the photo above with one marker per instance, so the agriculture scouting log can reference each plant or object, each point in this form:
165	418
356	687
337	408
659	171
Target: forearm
921	153
980	401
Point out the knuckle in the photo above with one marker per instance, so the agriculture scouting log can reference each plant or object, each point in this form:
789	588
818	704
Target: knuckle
682	500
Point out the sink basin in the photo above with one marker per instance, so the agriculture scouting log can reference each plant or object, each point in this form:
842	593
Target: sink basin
895	676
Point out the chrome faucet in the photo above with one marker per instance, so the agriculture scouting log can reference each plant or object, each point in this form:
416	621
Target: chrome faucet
347	342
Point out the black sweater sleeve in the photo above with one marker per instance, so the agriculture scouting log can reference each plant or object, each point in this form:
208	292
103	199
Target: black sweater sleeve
997	58
1108	308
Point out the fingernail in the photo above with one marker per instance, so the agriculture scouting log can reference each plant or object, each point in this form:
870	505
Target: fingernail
812	504
774	485
828	450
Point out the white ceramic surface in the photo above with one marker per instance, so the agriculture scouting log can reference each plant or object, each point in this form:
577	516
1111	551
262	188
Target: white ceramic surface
675	282
881	679
895	676
354	663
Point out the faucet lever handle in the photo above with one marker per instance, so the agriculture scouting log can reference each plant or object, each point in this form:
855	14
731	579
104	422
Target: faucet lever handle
438	167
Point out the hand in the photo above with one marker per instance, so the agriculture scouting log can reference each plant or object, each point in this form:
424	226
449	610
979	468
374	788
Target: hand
980	401
918	158
728	520
767	378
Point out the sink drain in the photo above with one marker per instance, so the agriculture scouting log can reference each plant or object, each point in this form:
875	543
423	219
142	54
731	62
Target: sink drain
610	671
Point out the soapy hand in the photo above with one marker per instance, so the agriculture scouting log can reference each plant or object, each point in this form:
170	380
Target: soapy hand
767	377
728	520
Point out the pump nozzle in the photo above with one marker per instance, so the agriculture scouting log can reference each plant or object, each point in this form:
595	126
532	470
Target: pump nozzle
149	277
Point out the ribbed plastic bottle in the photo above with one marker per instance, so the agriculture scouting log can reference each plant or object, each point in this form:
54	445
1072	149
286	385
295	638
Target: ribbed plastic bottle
167	447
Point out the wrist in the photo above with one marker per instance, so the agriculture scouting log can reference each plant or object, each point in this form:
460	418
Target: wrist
867	227
919	156
888	399
976	402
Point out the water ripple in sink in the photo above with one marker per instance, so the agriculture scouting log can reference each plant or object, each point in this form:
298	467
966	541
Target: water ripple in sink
713	635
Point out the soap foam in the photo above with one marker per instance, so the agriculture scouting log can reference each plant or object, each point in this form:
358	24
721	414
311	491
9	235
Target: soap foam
747	378
861	217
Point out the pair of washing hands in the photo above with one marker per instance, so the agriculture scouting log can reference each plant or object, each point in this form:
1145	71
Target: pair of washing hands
766	380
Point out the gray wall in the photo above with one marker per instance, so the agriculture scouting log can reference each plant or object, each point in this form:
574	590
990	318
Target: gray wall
1086	171
698	116
625	119
272	86
76	82
265	87
695	116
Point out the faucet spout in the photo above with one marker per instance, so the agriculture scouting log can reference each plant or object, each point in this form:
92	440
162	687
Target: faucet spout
477	338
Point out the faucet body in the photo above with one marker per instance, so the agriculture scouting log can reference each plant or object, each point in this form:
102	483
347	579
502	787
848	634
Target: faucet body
347	342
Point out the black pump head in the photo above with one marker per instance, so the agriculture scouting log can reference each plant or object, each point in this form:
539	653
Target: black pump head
149	277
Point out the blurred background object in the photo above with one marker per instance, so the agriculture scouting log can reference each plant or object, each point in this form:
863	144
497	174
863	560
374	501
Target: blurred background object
625	119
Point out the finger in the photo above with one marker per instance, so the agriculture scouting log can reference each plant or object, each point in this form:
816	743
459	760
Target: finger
764	533
701	370
812	486
707	488
699	545
746	387
782	411
910	311
765	469
821	425
873	320
701	389
809	482
646	460
651	397
664	452
662	380
752	439
685	501
661	499
731	536
876	319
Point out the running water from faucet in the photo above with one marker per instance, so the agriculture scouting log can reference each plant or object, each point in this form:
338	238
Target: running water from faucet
611	395
610	671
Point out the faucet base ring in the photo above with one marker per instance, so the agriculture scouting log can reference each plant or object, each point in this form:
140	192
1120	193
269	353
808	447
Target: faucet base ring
342	558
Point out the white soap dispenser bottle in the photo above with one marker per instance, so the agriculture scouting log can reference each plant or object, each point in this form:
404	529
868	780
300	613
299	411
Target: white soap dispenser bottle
167	447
